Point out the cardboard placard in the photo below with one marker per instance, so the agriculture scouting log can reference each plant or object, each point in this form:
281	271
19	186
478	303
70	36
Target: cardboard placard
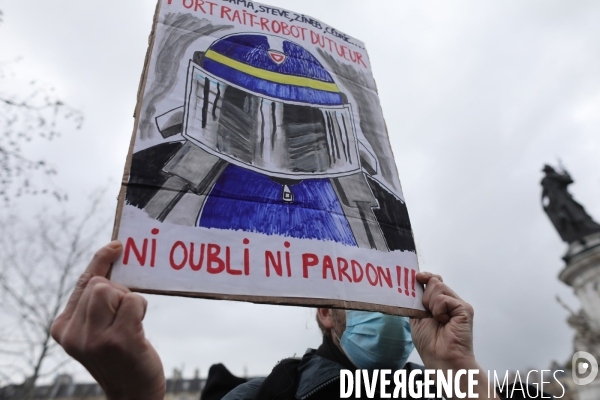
260	168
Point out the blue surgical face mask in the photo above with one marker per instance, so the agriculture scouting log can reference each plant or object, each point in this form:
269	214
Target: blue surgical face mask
374	340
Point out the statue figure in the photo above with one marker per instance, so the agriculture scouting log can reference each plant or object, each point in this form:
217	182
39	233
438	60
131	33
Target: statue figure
568	216
587	337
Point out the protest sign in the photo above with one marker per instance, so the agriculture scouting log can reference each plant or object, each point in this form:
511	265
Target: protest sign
260	168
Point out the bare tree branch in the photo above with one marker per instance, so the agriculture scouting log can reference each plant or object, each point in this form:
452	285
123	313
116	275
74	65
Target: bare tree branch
56	368
35	112
38	267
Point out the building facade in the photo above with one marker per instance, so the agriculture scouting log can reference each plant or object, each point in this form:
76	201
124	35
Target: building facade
64	388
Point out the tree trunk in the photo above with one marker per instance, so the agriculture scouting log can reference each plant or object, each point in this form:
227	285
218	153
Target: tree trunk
29	387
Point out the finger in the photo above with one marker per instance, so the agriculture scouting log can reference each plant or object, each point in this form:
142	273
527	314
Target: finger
444	308
435	288
424	277
82	308
79	317
116	285
99	266
130	314
442	288
432	282
102	307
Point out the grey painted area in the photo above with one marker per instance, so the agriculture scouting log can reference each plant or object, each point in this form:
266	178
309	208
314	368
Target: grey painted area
273	137
187	210
358	202
166	198
363	89
171	50
194	173
170	123
192	164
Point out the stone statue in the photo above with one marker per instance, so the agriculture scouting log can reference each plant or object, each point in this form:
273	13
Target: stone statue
568	216
587	337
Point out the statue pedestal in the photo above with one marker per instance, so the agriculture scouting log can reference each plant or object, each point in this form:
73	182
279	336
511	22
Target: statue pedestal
589	392
582	273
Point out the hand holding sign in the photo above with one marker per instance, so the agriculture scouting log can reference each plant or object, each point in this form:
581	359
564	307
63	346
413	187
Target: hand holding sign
445	341
101	327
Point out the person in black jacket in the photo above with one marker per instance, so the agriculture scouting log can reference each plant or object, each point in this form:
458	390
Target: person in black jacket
101	327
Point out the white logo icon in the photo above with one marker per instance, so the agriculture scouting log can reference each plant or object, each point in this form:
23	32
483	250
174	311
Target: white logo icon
277	57
580	367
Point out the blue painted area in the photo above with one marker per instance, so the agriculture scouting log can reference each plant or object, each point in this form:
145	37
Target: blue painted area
246	200
252	50
272	89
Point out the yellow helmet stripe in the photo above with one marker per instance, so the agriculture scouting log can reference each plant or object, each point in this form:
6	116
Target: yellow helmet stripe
272	76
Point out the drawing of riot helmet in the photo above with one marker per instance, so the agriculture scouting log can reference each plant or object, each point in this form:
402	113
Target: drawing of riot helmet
270	147
267	104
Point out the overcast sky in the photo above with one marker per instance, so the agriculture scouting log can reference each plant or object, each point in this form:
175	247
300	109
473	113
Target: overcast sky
477	97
